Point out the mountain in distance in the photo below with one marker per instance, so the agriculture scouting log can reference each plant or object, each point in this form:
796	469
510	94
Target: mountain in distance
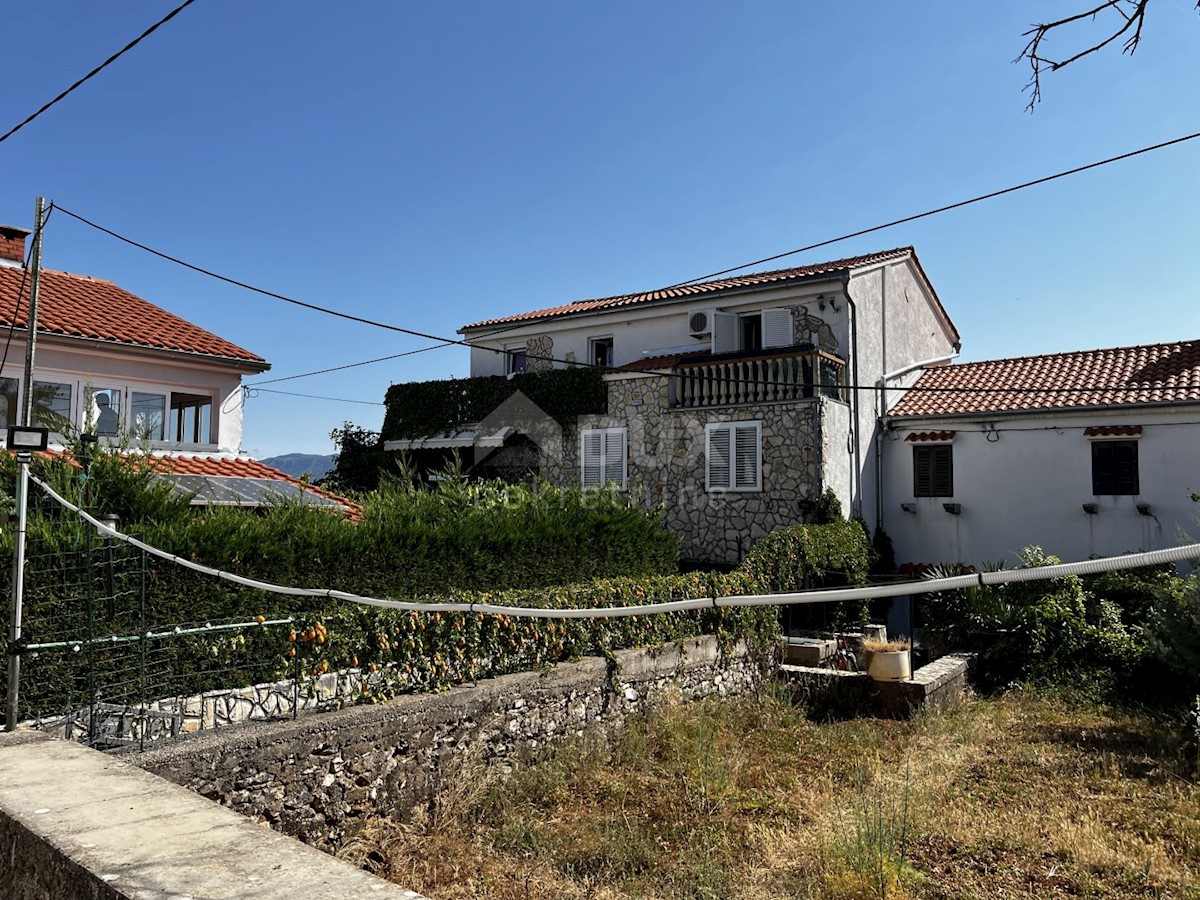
300	464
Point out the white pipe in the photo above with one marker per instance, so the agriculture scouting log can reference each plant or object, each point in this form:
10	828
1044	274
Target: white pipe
956	582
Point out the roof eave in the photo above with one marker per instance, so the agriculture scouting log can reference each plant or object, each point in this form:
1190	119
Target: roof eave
239	363
837	275
989	415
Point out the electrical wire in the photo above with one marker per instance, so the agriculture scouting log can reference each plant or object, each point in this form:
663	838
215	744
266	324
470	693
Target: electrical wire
252	392
354	365
941	209
643	373
96	71
39	228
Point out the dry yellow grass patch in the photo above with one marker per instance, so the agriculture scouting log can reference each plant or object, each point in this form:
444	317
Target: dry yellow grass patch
1024	796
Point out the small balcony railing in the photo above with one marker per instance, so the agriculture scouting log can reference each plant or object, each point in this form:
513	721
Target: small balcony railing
799	375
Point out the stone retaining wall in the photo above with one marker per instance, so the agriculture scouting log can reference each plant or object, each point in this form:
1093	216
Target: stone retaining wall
317	777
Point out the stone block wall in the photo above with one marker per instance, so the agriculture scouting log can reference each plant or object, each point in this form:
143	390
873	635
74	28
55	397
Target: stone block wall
667	465
318	777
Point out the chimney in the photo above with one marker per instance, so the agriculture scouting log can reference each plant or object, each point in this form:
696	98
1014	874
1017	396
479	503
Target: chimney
12	245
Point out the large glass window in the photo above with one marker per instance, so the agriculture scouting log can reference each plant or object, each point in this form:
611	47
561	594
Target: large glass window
9	411
149	414
191	416
52	406
102	411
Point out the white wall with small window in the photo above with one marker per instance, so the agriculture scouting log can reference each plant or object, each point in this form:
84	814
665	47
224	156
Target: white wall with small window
1076	484
733	456
604	457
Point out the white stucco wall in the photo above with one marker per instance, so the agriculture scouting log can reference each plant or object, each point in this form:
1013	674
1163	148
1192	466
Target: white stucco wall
1029	484
899	324
837	452
99	365
656	327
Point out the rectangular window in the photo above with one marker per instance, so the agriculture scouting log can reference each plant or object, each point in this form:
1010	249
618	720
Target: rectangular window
9	411
1115	468
734	456
52	406
101	411
514	361
602	456
751	326
600	352
933	471
149	415
191	417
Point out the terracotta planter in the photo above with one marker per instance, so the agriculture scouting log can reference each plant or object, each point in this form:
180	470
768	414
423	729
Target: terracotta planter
889	665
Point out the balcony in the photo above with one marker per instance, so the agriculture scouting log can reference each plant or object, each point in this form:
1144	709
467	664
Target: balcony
761	378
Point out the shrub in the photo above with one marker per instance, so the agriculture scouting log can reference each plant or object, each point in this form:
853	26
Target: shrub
1035	630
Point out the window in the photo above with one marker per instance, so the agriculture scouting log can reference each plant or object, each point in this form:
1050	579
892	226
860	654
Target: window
734	456
101	411
9	410
1115	467
514	361
933	471
602	456
52	406
600	352
191	416
751	328
149	415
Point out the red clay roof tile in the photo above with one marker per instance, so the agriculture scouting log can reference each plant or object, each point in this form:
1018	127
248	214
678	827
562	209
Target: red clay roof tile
92	308
1118	376
780	276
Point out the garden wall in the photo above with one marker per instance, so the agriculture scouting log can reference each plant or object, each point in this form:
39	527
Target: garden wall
318	777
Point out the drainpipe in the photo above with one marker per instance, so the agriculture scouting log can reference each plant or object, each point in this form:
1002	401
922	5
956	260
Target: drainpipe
881	390
818	448
856	475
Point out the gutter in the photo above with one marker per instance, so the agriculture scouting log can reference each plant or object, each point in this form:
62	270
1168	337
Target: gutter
856	480
885	420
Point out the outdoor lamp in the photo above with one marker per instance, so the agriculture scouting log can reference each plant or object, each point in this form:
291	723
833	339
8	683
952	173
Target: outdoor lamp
27	439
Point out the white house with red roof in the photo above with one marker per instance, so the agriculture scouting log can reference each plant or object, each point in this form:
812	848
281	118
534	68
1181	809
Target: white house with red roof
733	403
112	364
1089	453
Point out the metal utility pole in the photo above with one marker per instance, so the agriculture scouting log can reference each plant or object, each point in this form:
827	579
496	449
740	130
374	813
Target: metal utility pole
24	457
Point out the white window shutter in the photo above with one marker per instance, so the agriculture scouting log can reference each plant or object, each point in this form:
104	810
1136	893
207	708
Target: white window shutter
724	332
591	462
719	462
746	456
777	328
614	456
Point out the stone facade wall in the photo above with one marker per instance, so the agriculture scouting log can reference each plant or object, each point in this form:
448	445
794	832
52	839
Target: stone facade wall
539	352
667	465
318	777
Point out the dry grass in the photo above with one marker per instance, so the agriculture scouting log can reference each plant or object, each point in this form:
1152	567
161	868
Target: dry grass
1024	797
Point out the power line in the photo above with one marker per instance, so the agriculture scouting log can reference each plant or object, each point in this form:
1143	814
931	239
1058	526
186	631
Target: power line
96	71
934	212
254	391
445	341
354	365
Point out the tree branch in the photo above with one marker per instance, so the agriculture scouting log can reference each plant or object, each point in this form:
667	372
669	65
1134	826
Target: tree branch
1132	13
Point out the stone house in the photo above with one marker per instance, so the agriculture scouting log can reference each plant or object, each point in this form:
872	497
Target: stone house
1092	453
735	403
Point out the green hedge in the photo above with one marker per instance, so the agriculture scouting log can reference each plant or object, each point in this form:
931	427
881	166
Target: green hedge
419	409
417	651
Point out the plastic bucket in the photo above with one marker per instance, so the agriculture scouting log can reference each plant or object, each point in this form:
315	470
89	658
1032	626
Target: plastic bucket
890	665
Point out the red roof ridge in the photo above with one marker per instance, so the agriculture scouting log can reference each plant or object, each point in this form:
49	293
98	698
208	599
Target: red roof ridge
81	277
1064	354
687	289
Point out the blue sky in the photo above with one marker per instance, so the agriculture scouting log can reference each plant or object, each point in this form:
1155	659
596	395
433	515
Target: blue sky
433	164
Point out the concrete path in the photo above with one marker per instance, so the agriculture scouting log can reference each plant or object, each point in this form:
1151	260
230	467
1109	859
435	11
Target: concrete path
75	823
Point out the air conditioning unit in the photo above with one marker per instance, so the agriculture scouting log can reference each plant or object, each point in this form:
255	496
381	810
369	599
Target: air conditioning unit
700	323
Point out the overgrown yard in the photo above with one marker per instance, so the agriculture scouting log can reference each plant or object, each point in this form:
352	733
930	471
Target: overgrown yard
1022	796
